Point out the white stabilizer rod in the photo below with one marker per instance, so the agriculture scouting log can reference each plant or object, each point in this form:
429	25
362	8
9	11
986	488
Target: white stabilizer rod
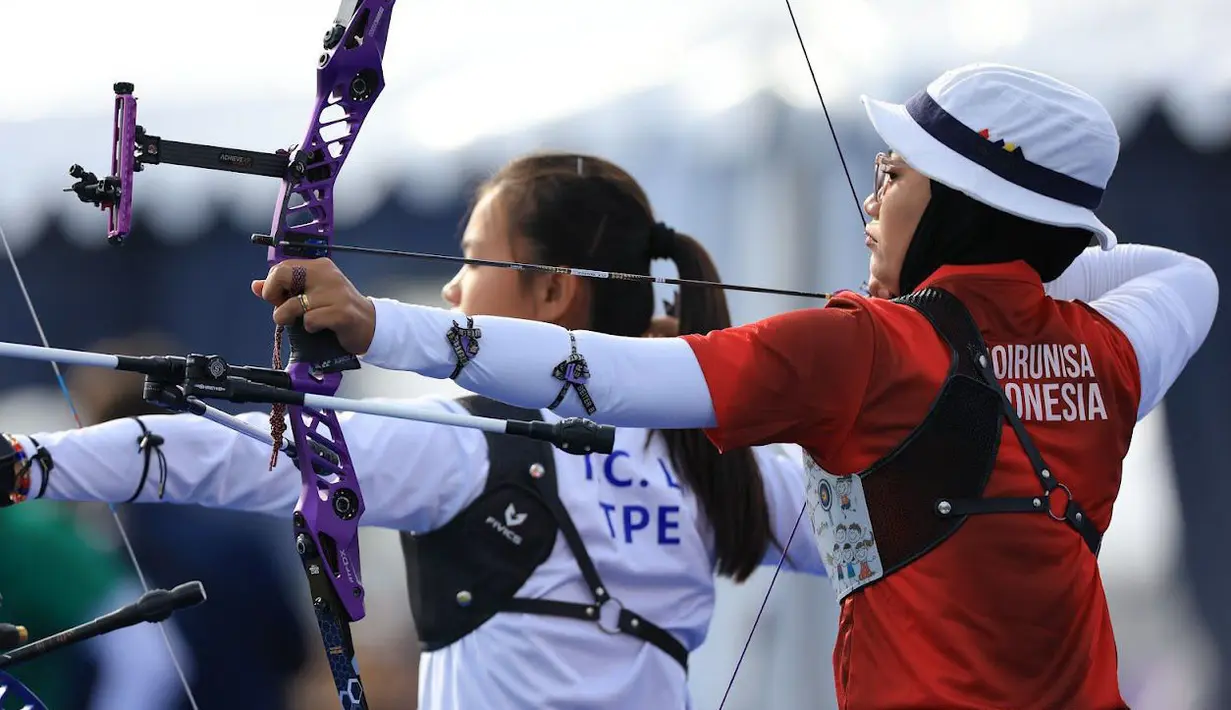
92	359
573	435
60	355
234	423
341	404
399	410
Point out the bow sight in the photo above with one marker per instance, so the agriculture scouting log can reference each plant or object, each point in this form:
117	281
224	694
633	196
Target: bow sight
132	149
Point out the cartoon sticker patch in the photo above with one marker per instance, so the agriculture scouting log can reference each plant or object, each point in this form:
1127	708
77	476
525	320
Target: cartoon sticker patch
843	529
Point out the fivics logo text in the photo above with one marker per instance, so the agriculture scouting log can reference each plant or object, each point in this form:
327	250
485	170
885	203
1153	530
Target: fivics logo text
512	519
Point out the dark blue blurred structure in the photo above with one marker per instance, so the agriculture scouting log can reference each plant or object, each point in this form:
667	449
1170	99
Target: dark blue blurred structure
258	599
1164	193
189	291
250	640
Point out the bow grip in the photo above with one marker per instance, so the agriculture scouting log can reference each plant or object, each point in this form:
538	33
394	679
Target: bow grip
321	350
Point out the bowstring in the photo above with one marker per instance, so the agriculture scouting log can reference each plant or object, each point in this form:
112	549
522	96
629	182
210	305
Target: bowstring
832	131
863	218
764	601
132	554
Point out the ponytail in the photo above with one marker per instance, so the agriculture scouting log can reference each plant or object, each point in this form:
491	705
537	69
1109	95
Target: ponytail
583	211
728	485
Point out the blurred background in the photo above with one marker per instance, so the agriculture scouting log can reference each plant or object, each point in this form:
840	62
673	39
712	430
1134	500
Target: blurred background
709	104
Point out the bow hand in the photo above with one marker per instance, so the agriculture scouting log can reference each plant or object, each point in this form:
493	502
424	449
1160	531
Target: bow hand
325	301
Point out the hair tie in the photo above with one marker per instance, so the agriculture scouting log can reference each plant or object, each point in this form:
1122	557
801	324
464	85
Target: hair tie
662	241
672	308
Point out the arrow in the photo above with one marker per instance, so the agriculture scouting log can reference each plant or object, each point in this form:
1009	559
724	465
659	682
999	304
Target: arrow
290	248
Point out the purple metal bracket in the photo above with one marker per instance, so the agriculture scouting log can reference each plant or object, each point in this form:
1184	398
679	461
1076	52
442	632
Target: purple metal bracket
349	79
123	148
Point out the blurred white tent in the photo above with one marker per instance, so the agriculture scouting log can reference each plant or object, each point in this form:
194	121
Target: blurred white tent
465	74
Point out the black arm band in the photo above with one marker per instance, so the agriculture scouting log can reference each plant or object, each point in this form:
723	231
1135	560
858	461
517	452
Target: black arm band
149	444
43	457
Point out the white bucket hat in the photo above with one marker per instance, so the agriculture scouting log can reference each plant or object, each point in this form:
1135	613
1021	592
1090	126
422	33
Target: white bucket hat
1016	140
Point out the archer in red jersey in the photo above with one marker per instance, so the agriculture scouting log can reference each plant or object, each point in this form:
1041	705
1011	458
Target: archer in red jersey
965	426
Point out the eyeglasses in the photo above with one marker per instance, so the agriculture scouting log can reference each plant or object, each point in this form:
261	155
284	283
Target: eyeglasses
882	176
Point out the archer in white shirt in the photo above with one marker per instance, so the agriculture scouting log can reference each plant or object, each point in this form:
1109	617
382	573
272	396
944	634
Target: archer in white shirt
659	516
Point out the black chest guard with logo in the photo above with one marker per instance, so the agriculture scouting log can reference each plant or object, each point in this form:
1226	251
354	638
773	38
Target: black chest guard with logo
921	492
470	569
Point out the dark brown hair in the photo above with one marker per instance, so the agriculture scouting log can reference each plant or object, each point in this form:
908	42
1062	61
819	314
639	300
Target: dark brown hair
584	212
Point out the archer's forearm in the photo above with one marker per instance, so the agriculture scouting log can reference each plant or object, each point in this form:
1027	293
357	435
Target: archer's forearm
416	476
642	382
205	464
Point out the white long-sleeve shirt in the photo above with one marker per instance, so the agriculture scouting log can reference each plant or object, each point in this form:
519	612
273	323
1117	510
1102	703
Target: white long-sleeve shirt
1162	300
650	543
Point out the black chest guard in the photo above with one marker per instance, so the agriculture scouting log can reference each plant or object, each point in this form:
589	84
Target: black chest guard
465	572
921	492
